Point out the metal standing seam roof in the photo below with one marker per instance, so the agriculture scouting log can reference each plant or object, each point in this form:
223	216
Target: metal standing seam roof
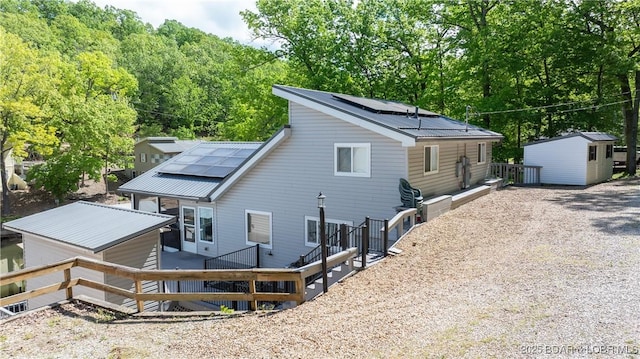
91	226
156	182
426	126
591	136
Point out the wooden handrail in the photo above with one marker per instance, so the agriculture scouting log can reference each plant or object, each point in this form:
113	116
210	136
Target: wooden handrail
251	276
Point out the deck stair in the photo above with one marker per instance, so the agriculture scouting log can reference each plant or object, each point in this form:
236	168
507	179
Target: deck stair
334	275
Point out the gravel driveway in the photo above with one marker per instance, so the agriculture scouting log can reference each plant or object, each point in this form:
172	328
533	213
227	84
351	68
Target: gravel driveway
523	272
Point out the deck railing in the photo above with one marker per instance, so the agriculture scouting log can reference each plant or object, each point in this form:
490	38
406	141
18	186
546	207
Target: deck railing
252	278
241	259
371	236
516	174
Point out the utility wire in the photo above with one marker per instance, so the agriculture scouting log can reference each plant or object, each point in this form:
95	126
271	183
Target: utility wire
592	106
555	105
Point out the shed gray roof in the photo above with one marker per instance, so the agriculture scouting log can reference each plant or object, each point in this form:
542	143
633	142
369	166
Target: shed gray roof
591	136
156	182
428	125
90	226
173	147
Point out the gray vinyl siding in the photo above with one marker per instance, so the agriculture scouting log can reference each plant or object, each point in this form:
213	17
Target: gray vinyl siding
287	182
445	180
141	253
563	161
39	251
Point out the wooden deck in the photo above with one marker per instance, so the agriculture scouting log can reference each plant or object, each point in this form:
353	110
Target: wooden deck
516	174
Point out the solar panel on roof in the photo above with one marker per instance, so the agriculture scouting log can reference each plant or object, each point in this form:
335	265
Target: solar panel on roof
208	161
224	151
219	171
383	106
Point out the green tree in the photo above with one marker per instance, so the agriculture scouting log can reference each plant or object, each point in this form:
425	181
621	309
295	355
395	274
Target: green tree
27	87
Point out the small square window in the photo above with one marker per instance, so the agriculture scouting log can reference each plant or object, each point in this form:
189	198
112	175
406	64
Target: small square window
312	230
258	226
352	159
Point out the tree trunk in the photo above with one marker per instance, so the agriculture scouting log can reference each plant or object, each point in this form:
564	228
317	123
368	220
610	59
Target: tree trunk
630	110
6	201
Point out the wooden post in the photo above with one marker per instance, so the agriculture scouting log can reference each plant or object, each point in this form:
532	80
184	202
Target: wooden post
299	285
386	236
140	303
252	289
67	279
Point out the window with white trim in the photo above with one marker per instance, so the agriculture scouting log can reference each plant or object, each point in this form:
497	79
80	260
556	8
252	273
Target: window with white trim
431	154
352	159
482	152
205	222
609	151
143	157
312	229
258	225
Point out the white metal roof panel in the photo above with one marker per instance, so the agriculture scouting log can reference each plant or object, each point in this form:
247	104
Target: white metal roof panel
90	226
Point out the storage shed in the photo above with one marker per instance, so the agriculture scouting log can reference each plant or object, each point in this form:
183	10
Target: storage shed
105	233
579	158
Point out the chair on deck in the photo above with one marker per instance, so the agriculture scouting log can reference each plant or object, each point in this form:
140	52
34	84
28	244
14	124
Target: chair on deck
411	197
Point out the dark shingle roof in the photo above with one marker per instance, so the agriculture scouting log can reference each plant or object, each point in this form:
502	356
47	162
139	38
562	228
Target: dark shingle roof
427	125
90	226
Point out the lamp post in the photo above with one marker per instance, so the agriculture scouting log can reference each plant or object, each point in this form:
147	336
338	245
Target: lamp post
323	242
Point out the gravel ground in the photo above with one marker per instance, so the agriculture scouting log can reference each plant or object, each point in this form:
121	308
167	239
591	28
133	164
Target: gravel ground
523	272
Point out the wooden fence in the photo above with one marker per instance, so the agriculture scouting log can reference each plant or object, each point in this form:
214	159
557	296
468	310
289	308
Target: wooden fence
250	276
516	174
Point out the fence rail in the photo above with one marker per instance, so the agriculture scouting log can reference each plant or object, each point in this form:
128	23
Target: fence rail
516	174
252	278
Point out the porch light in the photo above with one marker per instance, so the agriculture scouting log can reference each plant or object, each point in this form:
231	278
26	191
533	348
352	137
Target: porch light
321	198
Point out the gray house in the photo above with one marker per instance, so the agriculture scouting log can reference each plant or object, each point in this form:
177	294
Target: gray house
353	150
105	233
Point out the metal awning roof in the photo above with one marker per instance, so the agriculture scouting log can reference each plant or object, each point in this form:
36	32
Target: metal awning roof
90	226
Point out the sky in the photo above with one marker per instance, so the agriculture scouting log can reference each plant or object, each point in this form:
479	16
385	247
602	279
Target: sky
218	17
